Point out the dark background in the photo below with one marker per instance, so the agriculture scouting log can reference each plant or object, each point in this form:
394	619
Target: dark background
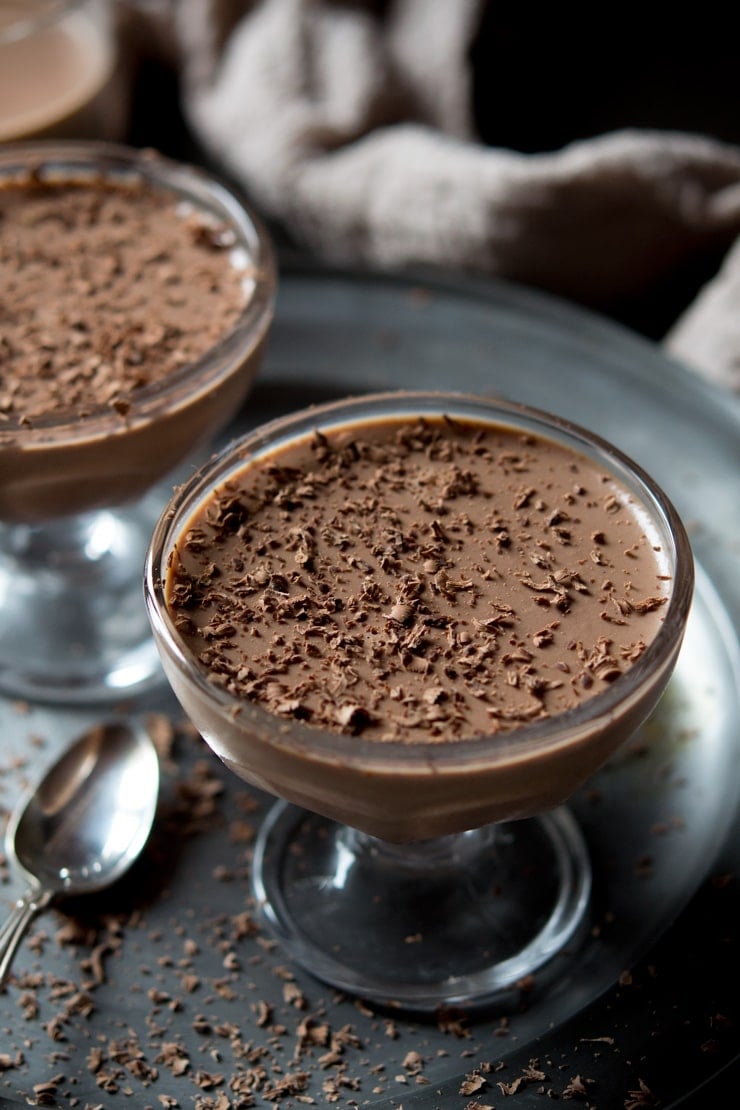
544	76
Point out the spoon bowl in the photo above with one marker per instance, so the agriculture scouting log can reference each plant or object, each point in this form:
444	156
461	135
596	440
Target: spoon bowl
84	824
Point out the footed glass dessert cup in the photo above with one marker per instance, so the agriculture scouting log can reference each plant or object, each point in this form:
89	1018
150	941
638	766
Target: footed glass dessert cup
440	870
78	497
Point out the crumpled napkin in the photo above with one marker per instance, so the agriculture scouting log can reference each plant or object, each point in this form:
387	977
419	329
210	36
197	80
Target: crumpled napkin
350	123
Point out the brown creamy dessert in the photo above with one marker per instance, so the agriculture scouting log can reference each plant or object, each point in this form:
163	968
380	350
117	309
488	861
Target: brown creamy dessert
418	613
426	580
118	288
123	288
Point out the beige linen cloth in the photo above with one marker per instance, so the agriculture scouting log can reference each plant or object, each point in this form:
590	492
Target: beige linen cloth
350	123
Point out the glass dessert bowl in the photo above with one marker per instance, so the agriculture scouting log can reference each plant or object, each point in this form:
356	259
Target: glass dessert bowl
109	380
422	620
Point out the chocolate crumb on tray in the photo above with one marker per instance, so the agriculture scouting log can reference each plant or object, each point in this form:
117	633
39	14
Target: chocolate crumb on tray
130	1003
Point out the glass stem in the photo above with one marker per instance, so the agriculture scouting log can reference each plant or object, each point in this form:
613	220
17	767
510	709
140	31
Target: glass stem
57	545
421	856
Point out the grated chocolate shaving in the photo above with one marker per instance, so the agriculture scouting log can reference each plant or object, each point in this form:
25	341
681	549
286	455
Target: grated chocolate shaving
339	580
105	293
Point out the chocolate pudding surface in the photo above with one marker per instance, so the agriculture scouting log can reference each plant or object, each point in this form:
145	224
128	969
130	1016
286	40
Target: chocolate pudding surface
107	288
418	580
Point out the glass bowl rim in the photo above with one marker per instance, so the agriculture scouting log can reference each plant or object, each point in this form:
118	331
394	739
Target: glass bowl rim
88	160
27	24
509	746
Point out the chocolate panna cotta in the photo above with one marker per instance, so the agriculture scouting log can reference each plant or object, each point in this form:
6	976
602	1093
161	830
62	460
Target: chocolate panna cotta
136	298
419	580
124	287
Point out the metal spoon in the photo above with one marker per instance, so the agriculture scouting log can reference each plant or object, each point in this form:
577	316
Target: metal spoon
85	823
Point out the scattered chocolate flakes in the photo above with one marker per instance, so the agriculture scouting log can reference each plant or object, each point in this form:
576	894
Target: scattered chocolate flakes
292	1084
97	256
163	733
472	1083
294	996
648	604
46	1093
452	1020
302	1055
511	1088
641	1098
208	1080
532	1073
413	1062
174	1057
523	497
353	716
382	566
94	963
577	1087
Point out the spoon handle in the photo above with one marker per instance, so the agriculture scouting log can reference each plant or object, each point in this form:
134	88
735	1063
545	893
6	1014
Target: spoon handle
14	929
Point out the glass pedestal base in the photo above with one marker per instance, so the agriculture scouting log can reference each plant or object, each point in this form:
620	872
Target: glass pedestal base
73	619
452	921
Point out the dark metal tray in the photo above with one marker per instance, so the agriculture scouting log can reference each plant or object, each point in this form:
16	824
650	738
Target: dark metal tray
169	956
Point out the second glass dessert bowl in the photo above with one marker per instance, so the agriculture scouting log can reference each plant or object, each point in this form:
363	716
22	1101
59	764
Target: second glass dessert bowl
74	481
445	868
